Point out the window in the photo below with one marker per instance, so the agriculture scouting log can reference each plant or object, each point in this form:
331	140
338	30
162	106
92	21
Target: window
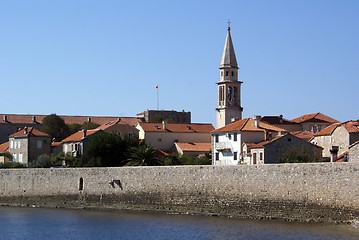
261	156
11	144
217	156
216	138
235	137
81	184
19	145
234	155
254	158
226	73
229	136
65	148
14	157
130	134
20	157
39	143
221	73
15	145
232	73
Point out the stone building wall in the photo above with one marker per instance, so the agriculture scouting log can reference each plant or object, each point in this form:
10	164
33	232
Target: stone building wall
354	153
274	150
288	191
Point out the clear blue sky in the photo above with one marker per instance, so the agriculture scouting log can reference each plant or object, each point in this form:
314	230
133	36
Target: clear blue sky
105	58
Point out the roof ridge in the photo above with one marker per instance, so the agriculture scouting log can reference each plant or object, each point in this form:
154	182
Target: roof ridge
244	124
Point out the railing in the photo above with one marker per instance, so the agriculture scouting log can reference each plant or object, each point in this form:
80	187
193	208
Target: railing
223	146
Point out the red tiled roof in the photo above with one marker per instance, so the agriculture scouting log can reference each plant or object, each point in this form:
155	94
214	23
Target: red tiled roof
261	144
79	136
314	117
28	119
303	134
55	144
29	131
109	124
341	157
328	130
4	147
195	147
350	126
161	154
178	127
248	124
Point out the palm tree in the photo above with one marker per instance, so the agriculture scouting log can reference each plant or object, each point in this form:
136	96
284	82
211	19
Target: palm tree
143	156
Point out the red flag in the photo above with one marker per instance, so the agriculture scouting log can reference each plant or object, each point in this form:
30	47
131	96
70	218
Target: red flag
157	86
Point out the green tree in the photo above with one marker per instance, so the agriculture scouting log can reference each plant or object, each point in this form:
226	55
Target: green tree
89	125
43	161
173	159
143	156
106	150
73	128
294	155
55	126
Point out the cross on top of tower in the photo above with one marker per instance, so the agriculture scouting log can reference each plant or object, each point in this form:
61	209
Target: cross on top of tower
229	24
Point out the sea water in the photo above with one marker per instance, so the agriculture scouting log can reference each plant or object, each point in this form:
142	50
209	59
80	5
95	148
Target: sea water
40	223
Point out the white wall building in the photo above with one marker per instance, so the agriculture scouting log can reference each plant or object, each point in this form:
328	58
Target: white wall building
227	141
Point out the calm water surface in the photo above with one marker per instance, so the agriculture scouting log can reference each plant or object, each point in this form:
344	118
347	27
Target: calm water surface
35	223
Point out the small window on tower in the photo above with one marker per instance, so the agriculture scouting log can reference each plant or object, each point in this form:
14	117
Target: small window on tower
221	73
232	73
226	73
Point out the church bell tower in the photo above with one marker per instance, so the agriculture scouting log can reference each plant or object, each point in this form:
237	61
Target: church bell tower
229	88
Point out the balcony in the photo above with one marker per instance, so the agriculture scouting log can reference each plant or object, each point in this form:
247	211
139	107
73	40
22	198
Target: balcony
223	146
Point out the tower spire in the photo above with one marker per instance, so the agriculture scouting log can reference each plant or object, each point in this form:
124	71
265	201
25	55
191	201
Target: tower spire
229	88
228	56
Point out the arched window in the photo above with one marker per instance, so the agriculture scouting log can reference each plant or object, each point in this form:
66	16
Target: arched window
81	184
229	94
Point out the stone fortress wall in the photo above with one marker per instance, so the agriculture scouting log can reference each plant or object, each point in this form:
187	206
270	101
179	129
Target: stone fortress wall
306	192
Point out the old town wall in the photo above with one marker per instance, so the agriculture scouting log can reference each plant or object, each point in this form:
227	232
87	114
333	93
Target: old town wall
305	192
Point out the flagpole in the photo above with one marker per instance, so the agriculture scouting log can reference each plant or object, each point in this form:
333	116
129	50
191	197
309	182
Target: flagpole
158	99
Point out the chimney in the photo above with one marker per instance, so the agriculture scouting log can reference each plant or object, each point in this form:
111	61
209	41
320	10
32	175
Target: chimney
84	133
25	130
164	124
89	119
5	118
256	119
34	119
280	119
119	120
334	151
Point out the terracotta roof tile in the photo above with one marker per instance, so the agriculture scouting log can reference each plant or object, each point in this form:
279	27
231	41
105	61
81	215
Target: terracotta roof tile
248	124
261	144
109	124
28	119
314	117
303	134
350	126
4	147
178	127
29	131
195	147
79	136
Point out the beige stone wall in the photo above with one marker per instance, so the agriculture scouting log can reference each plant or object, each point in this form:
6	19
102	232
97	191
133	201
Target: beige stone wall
354	153
166	140
289	191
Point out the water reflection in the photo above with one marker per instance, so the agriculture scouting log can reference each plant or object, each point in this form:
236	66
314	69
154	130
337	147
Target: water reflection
27	223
